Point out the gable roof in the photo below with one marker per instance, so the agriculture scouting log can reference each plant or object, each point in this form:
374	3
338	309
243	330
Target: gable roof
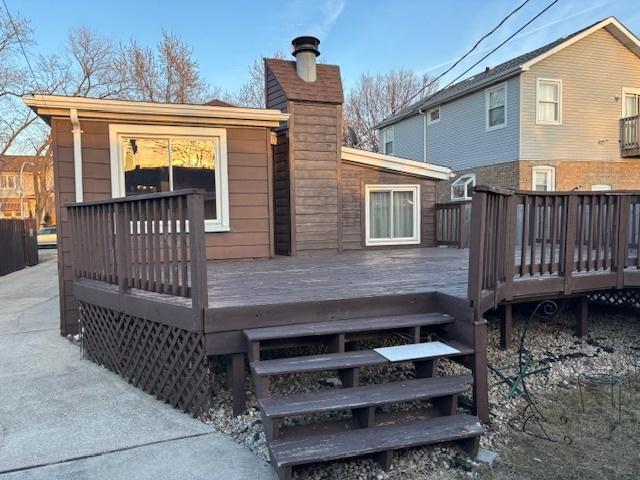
514	67
396	164
327	88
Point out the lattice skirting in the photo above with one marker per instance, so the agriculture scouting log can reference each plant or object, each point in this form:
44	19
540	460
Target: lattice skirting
621	298
164	361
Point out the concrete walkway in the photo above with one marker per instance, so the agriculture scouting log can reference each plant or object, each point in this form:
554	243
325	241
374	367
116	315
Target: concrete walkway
65	417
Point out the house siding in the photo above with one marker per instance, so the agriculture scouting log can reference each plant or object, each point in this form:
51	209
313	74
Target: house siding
593	72
250	197
354	179
408	138
460	140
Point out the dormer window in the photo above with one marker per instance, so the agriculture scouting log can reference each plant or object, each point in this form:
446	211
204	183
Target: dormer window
387	141
462	188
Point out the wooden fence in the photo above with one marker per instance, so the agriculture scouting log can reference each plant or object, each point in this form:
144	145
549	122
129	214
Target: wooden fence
18	244
535	244
152	242
452	224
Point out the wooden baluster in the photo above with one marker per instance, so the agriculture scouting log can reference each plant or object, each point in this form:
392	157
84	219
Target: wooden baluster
598	233
554	234
571	206
157	259
173	222
622	247
543	248
184	265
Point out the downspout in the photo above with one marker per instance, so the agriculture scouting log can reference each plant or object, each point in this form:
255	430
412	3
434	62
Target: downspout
77	153
424	135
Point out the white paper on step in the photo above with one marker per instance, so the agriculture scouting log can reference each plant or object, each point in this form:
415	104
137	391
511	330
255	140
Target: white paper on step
416	350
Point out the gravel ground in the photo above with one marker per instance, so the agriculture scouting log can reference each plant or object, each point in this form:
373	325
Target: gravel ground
613	345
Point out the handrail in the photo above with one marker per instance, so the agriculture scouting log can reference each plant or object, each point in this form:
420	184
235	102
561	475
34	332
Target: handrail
153	242
528	244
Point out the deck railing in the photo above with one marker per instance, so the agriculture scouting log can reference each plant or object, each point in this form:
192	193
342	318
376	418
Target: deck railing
533	244
452	224
151	242
630	136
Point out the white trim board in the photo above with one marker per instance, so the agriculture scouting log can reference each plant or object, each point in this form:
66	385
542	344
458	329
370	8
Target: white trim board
396	164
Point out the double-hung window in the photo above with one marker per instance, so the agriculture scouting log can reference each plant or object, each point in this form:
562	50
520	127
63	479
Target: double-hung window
8	181
392	214
549	102
496	107
543	178
150	159
387	141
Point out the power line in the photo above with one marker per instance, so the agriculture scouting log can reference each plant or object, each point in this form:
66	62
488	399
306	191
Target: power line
540	13
469	52
24	52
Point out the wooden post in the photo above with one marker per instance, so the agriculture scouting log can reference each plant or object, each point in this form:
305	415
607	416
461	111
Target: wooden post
199	292
237	383
582	325
480	373
461	219
506	326
570	243
476	250
623	244
121	250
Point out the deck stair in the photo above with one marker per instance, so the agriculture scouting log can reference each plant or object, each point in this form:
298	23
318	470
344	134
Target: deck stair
370	426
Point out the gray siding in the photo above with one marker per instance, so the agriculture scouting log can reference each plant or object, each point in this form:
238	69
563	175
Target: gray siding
460	140
593	72
408	135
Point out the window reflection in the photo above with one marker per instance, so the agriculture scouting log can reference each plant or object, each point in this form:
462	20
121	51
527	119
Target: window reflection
167	164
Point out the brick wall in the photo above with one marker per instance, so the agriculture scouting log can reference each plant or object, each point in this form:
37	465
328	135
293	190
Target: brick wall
620	174
505	175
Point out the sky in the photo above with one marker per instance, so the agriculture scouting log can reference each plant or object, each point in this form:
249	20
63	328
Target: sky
360	36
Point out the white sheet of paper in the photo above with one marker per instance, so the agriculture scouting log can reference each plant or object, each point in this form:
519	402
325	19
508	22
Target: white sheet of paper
416	350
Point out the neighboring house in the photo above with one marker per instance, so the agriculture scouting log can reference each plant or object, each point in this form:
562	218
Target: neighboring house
277	180
17	189
546	120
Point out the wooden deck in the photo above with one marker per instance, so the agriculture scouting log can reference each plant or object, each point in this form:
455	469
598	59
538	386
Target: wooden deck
349	275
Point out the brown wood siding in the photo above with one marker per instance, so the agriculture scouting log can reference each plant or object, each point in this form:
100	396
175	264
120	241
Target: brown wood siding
250	197
282	198
354	178
96	179
275	96
315	166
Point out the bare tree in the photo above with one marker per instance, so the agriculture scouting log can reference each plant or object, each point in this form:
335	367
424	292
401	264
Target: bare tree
167	74
375	97
251	93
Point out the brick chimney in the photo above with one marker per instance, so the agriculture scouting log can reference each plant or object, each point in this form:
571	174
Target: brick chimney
307	154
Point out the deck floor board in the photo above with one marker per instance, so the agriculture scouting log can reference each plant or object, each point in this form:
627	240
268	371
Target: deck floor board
234	283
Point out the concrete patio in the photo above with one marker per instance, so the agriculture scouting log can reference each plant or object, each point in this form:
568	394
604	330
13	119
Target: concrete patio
64	417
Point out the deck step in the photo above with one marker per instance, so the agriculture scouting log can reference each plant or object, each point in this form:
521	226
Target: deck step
352	325
358	397
321	448
335	361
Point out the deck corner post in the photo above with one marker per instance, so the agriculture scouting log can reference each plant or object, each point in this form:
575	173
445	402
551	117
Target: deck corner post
582	324
480	372
197	248
622	244
477	247
570	243
506	326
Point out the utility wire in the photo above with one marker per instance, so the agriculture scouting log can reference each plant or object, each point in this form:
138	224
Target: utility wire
540	13
24	52
469	52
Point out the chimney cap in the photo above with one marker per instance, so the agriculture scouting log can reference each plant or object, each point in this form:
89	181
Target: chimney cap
305	43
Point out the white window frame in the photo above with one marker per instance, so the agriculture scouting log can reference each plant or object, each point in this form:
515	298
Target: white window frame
431	122
600	187
118	131
415	239
385	132
627	91
549	170
466	179
555	81
487	93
